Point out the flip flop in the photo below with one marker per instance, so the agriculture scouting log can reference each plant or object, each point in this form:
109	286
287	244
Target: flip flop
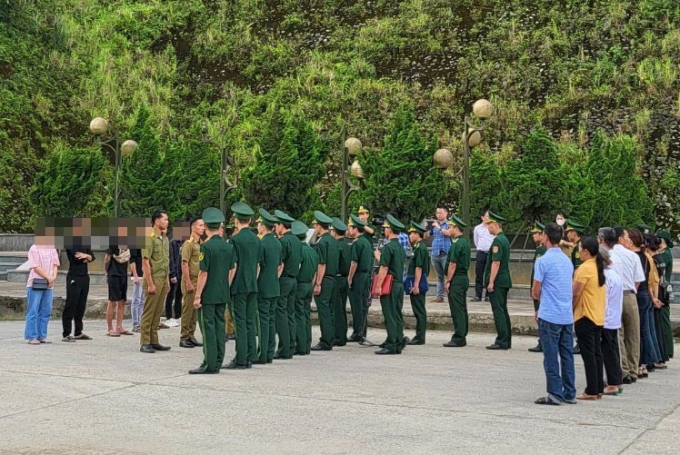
45	342
82	336
546	400
124	332
34	342
113	334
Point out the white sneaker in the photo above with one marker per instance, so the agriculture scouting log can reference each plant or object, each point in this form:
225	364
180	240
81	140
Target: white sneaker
172	323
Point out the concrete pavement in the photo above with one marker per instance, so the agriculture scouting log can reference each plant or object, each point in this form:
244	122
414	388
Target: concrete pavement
103	396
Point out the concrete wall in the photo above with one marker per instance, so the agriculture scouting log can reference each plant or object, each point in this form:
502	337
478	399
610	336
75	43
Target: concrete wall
16	242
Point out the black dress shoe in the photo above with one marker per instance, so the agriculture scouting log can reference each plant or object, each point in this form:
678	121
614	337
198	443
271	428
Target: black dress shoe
476	299
577	349
203	370
339	343
249	364
320	347
160	347
147	349
259	362
185	343
385	351
416	341
383	344
455	344
278	356
195	342
270	361
234	366
497	347
537	348
354	339
404	342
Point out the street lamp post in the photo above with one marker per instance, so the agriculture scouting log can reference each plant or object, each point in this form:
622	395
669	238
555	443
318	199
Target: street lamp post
226	162
105	136
351	165
472	136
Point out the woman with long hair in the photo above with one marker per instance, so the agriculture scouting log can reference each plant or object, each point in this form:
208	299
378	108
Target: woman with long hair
656	249
646	295
590	299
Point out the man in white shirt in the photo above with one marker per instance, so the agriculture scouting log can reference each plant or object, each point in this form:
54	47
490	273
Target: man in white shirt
482	239
627	264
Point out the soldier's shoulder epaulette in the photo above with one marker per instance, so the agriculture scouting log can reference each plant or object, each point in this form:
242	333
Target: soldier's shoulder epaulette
153	234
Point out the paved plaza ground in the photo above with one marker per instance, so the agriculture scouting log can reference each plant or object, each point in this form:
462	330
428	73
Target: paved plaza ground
103	396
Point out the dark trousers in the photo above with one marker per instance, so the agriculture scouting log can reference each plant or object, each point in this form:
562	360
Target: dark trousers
458	306
266	311
285	323
174	299
611	357
660	335
480	265
244	311
325	312
419	311
77	288
392	305
339	303
211	320
501	317
589	336
303	324
358	298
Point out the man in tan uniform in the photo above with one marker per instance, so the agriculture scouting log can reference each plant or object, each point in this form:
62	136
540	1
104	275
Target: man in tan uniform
190	252
156	265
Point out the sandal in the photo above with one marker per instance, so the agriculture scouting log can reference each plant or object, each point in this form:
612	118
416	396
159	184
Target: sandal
660	366
546	400
613	390
34	342
113	334
123	332
43	341
82	336
585	396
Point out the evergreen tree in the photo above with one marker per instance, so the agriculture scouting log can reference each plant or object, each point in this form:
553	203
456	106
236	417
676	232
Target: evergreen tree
401	178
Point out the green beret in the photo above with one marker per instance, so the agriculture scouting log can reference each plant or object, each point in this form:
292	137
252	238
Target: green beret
538	227
242	211
299	229
266	218
322	218
283	218
663	234
356	222
495	217
213	217
456	221
572	225
339	226
394	224
416	227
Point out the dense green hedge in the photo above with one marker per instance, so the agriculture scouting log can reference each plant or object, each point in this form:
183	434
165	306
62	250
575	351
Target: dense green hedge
569	68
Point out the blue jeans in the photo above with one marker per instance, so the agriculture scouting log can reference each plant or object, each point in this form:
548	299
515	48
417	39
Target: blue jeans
648	353
137	305
38	312
558	355
439	264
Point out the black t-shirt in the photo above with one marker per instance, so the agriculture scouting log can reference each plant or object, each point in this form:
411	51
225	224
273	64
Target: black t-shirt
136	259
77	266
114	268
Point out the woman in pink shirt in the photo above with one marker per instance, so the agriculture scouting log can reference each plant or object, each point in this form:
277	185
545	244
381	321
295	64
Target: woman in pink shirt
44	261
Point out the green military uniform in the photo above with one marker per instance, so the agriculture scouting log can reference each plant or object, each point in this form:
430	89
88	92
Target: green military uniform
500	252
459	254
217	258
540	251
667	335
291	255
329	255
268	289
190	252
421	259
340	287
157	251
244	290
304	291
361	252
575	257
393	258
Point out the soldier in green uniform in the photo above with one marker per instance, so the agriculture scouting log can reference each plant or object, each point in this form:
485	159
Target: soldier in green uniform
457	282
359	278
666	245
574	232
537	232
392	259
291	255
418	269
304	291
212	292
340	287
156	266
329	257
244	288
498	283
268	286
190	252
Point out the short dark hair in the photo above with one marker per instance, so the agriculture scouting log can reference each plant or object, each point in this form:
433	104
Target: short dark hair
157	215
193	221
443	207
608	236
560	212
619	232
483	211
554	233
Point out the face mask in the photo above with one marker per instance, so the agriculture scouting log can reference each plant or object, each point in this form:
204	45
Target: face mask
560	222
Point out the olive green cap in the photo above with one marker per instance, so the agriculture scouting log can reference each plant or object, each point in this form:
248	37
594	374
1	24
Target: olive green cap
283	218
457	221
663	234
572	225
299	230
266	218
394	224
322	218
362	209
339	226
212	217
495	217
644	228
356	222
538	227
242	211
416	227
